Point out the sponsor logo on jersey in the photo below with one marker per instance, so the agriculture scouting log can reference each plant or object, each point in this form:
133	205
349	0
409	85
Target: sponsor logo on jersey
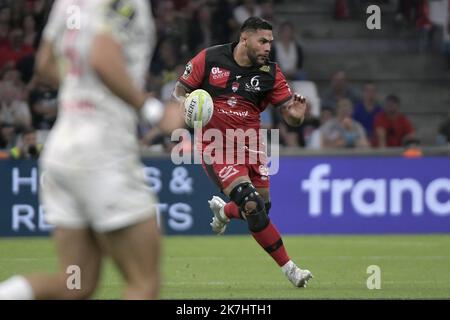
187	70
242	114
253	86
218	77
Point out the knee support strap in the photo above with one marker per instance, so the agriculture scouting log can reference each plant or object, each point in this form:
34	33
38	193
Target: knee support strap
268	205
243	193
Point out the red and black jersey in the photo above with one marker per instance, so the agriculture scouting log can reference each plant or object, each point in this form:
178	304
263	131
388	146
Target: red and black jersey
240	94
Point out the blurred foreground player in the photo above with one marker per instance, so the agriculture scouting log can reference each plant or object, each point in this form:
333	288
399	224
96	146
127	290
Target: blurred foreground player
93	187
242	82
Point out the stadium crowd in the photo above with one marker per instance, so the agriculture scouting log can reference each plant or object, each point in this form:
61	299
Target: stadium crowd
346	117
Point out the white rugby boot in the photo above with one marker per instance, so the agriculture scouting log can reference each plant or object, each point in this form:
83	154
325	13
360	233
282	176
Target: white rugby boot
219	221
298	277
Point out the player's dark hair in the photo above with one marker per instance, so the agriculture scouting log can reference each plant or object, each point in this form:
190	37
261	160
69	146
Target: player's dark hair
254	24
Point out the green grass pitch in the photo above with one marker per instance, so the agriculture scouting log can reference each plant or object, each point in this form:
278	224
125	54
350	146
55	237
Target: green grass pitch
234	267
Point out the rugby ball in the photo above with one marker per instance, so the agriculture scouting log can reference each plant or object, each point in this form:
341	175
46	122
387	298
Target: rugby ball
198	108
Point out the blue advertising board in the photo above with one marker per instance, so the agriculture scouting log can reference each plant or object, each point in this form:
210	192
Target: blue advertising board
183	193
312	195
345	195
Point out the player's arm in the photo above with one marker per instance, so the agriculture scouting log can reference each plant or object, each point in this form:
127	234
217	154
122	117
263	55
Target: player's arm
107	60
191	79
46	69
180	92
293	111
292	107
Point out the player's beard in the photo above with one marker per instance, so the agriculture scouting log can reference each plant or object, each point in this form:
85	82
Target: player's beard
253	57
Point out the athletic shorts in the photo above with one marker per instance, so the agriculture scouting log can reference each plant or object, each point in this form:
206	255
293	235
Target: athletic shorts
224	174
105	199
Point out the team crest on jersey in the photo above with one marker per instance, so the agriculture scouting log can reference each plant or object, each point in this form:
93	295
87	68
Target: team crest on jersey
218	77
235	86
232	101
187	70
265	68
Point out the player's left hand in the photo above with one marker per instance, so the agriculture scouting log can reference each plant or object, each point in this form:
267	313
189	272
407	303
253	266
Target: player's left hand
297	107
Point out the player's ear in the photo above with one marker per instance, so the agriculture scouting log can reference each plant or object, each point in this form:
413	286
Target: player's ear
244	37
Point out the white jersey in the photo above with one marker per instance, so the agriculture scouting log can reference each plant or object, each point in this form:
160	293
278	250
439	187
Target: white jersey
95	127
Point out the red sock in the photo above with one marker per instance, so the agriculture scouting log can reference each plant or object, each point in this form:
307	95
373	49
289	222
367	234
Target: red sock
270	240
232	211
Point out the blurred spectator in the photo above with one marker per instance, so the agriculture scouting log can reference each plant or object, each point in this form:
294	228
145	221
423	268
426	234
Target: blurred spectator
25	67
5	15
169	86
28	147
343	131
10	74
338	90
417	13
17	49
225	27
170	24
326	114
307	129
7	135
300	136
365	111
425	26
412	149
341	9
315	139
180	4
268	13
17	8
43	104
29	29
288	52
4	35
392	128
405	10
40	10
248	8
163	66
444	131
12	109
412	12
200	30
